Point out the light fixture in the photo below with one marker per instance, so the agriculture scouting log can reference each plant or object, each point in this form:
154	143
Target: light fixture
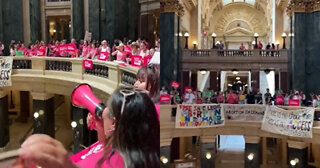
164	160
256	35
180	34
203	71
284	35
54	30
208	155
246	85
237	78
250	156
213	40
186	35
41	112
239	82
277	42
36	115
194	44
235	71
293	162
229	84
74	124
69	25
253	42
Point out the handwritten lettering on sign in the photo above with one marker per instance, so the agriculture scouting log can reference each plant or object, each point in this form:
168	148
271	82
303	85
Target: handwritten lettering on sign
199	115
247	112
5	71
296	123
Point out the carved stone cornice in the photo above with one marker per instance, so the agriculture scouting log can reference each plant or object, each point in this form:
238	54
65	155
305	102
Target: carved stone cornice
171	6
303	6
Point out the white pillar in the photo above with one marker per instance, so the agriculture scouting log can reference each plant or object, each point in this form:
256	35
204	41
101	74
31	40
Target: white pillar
199	24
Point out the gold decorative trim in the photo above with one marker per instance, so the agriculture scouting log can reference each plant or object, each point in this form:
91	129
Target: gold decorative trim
303	6
171	6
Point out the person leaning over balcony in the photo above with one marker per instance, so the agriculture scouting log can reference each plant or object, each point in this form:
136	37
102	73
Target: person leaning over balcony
120	54
92	52
13	49
132	137
104	47
85	49
144	51
220	98
189	97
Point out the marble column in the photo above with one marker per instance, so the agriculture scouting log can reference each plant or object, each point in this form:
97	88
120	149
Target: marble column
185	79
94	19
169	49
78	19
165	154
80	132
1	21
194	80
43	104
113	19
255	80
133	19
284	81
208	151
24	107
4	119
35	20
13	20
306	52
213	81
298	153
252	148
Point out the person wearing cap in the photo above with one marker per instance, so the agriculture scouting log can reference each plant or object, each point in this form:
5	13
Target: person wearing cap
120	53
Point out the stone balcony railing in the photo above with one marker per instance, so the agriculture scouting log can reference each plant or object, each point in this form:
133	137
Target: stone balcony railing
225	59
245	128
61	75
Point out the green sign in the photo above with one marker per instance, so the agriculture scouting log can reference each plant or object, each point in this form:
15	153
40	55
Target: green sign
208	93
19	53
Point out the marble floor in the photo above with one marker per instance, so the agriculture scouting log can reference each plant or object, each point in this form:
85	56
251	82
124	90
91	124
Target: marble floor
20	131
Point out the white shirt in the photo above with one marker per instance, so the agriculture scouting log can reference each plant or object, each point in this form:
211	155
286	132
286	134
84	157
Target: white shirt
107	49
143	54
155	59
189	98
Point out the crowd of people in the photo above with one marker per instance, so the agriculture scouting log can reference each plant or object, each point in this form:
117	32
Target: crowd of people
240	97
121	50
128	110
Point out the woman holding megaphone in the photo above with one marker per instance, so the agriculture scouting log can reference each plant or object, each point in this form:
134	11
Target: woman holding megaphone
130	128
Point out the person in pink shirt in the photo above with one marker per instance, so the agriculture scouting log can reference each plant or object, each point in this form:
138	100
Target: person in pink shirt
120	53
92	52
144	49
85	49
128	110
24	49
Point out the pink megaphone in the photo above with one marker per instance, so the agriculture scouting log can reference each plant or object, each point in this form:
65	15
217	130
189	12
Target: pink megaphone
83	96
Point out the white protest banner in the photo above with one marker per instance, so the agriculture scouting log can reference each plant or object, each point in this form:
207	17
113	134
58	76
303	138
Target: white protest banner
296	123
199	116
88	36
5	71
243	112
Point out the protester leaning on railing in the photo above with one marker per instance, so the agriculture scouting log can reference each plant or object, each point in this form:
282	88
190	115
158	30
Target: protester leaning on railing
137	53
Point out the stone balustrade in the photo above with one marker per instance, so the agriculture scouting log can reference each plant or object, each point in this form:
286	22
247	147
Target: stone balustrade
234	59
61	75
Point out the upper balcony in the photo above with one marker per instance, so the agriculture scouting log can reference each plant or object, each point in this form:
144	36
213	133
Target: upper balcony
235	59
61	75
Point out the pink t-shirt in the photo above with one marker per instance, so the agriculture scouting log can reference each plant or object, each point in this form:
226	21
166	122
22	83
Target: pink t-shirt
88	157
121	56
158	110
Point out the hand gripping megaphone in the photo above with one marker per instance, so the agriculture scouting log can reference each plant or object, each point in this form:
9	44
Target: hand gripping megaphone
83	96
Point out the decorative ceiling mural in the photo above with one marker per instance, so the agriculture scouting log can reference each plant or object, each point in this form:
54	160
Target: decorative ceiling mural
237	18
